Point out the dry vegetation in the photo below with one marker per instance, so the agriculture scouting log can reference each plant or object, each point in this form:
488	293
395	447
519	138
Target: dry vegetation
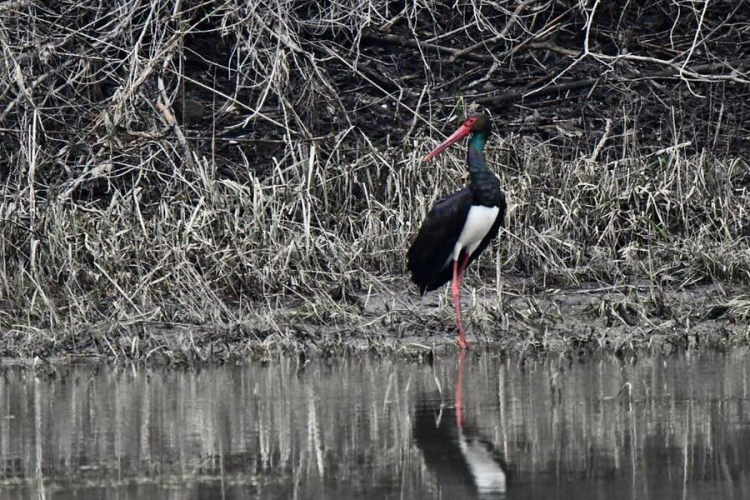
252	167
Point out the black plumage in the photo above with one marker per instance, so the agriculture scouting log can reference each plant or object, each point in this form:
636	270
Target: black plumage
429	257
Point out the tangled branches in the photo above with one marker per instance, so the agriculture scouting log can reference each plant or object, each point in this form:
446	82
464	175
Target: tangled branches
88	73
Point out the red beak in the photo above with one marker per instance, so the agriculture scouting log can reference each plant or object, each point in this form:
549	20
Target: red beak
459	134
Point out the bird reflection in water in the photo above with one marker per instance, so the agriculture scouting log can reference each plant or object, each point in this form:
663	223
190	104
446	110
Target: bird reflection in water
465	463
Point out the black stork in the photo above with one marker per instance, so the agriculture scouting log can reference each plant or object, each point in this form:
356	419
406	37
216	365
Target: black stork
459	227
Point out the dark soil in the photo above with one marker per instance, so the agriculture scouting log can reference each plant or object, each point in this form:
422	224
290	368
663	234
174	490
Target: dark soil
624	320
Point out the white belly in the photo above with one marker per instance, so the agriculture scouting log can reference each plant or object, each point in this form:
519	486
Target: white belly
478	224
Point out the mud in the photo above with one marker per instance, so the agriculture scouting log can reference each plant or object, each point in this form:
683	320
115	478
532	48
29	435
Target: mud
521	318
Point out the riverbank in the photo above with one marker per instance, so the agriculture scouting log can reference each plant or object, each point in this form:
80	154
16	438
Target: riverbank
199	183
523	319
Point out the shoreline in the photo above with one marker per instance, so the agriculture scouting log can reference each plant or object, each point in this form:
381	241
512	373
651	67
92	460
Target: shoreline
634	319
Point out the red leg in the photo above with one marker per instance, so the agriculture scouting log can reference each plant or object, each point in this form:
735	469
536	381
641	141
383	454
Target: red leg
464	264
456	288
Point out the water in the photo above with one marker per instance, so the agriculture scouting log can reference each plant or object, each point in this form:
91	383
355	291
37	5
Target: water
661	428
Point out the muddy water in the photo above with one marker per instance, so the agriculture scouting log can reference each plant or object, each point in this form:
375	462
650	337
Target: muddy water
363	429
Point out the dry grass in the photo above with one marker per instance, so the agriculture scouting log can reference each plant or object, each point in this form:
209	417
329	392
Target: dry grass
214	163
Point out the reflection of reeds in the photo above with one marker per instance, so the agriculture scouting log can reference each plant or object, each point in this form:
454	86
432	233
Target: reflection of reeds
348	426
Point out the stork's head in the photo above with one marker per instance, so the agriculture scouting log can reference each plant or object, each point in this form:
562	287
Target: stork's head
475	124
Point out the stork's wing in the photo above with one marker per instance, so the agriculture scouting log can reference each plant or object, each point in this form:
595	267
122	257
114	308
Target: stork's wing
437	237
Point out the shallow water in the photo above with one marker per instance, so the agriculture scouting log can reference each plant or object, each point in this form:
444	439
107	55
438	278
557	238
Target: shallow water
661	428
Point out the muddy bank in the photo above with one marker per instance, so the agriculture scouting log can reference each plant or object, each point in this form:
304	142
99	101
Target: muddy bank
524	317
519	318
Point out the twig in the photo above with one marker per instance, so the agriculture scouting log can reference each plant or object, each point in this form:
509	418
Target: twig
670	149
396	100
515	96
693	45
235	101
513	18
581	84
118	288
602	141
554	48
390	39
94	173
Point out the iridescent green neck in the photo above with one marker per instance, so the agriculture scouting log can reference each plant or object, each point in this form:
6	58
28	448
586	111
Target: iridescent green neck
485	186
478	141
475	154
